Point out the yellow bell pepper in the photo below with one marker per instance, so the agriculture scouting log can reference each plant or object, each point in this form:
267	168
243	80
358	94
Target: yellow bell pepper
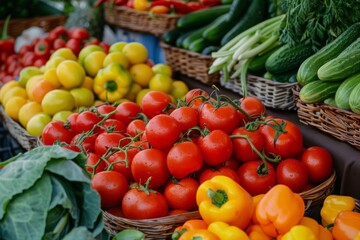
191	224
300	232
199	234
223	199
255	232
333	205
319	231
226	232
347	226
112	82
279	210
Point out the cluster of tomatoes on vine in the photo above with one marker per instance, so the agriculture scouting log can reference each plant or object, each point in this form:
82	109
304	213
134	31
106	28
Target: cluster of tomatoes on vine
154	156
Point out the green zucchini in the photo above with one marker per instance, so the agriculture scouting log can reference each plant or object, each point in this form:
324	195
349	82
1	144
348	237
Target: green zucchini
201	18
209	49
171	36
218	28
354	99
238	7
340	68
195	35
255	14
331	101
288	58
198	45
343	92
180	39
318	91
309	68
257	64
283	78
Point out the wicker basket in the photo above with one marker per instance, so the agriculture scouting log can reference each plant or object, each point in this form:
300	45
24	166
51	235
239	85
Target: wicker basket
190	64
341	124
140	21
357	205
27	141
273	94
16	26
157	228
317	195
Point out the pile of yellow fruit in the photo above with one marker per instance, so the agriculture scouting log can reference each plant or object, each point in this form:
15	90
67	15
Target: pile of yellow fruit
68	83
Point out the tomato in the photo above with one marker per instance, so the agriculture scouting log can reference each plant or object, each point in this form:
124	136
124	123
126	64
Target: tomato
87	142
127	112
162	131
216	147
58	32
253	106
121	162
78	33
105	140
150	163
181	194
106	109
24	49
255	179
112	125
183	159
209	173
319	163
176	212
289	143
74	45
293	173
28	59
136	127
138	204
224	117
58	43
71	122
40	62
86	120
187	117
56	132
94	164
111	186
192	99
154	103
242	149
231	163
57	100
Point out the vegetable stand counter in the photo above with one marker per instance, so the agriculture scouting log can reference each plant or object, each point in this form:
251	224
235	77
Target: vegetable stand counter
346	157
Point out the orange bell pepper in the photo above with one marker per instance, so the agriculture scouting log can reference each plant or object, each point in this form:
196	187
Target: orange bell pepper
346	226
192	224
223	199
255	232
199	234
279	210
256	200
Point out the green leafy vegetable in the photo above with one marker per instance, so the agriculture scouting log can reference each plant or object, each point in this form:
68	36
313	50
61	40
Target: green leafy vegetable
47	194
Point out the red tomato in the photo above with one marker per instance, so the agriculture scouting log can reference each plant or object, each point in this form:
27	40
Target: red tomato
56	132
289	143
162	131
112	125
209	173
127	112
111	186
150	163
106	109
72	148
79	34
154	103
105	46
136	127
253	106
58	32
176	212
216	147
121	162
242	148
255	179
224	117
87	142
116	211
94	164
192	99
181	194
28	59
24	49
105	140
292	173
319	163
187	117
183	159
138	204
58	43
231	163
71	122
137	146
40	62
74	45
86	120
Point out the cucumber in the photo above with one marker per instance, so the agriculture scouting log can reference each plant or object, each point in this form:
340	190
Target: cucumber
342	94
238	7
309	68
218	28
288	58
354	99
354	47
284	78
340	68
257	64
209	49
198	45
171	36
255	14
195	35
318	91
202	17
331	101
180	39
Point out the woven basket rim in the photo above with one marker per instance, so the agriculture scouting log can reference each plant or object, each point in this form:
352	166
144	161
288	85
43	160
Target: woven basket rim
268	81
195	54
142	13
319	189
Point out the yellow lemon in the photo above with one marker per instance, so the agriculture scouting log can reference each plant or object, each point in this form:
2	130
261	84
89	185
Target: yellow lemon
57	100
179	89
116	57
134	90
141	94
83	97
61	116
37	123
88	83
66	53
31	84
163	69
70	74
13	106
94	62
117	47
135	52
161	82
86	51
50	76
53	62
27	111
7	86
141	73
12	92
